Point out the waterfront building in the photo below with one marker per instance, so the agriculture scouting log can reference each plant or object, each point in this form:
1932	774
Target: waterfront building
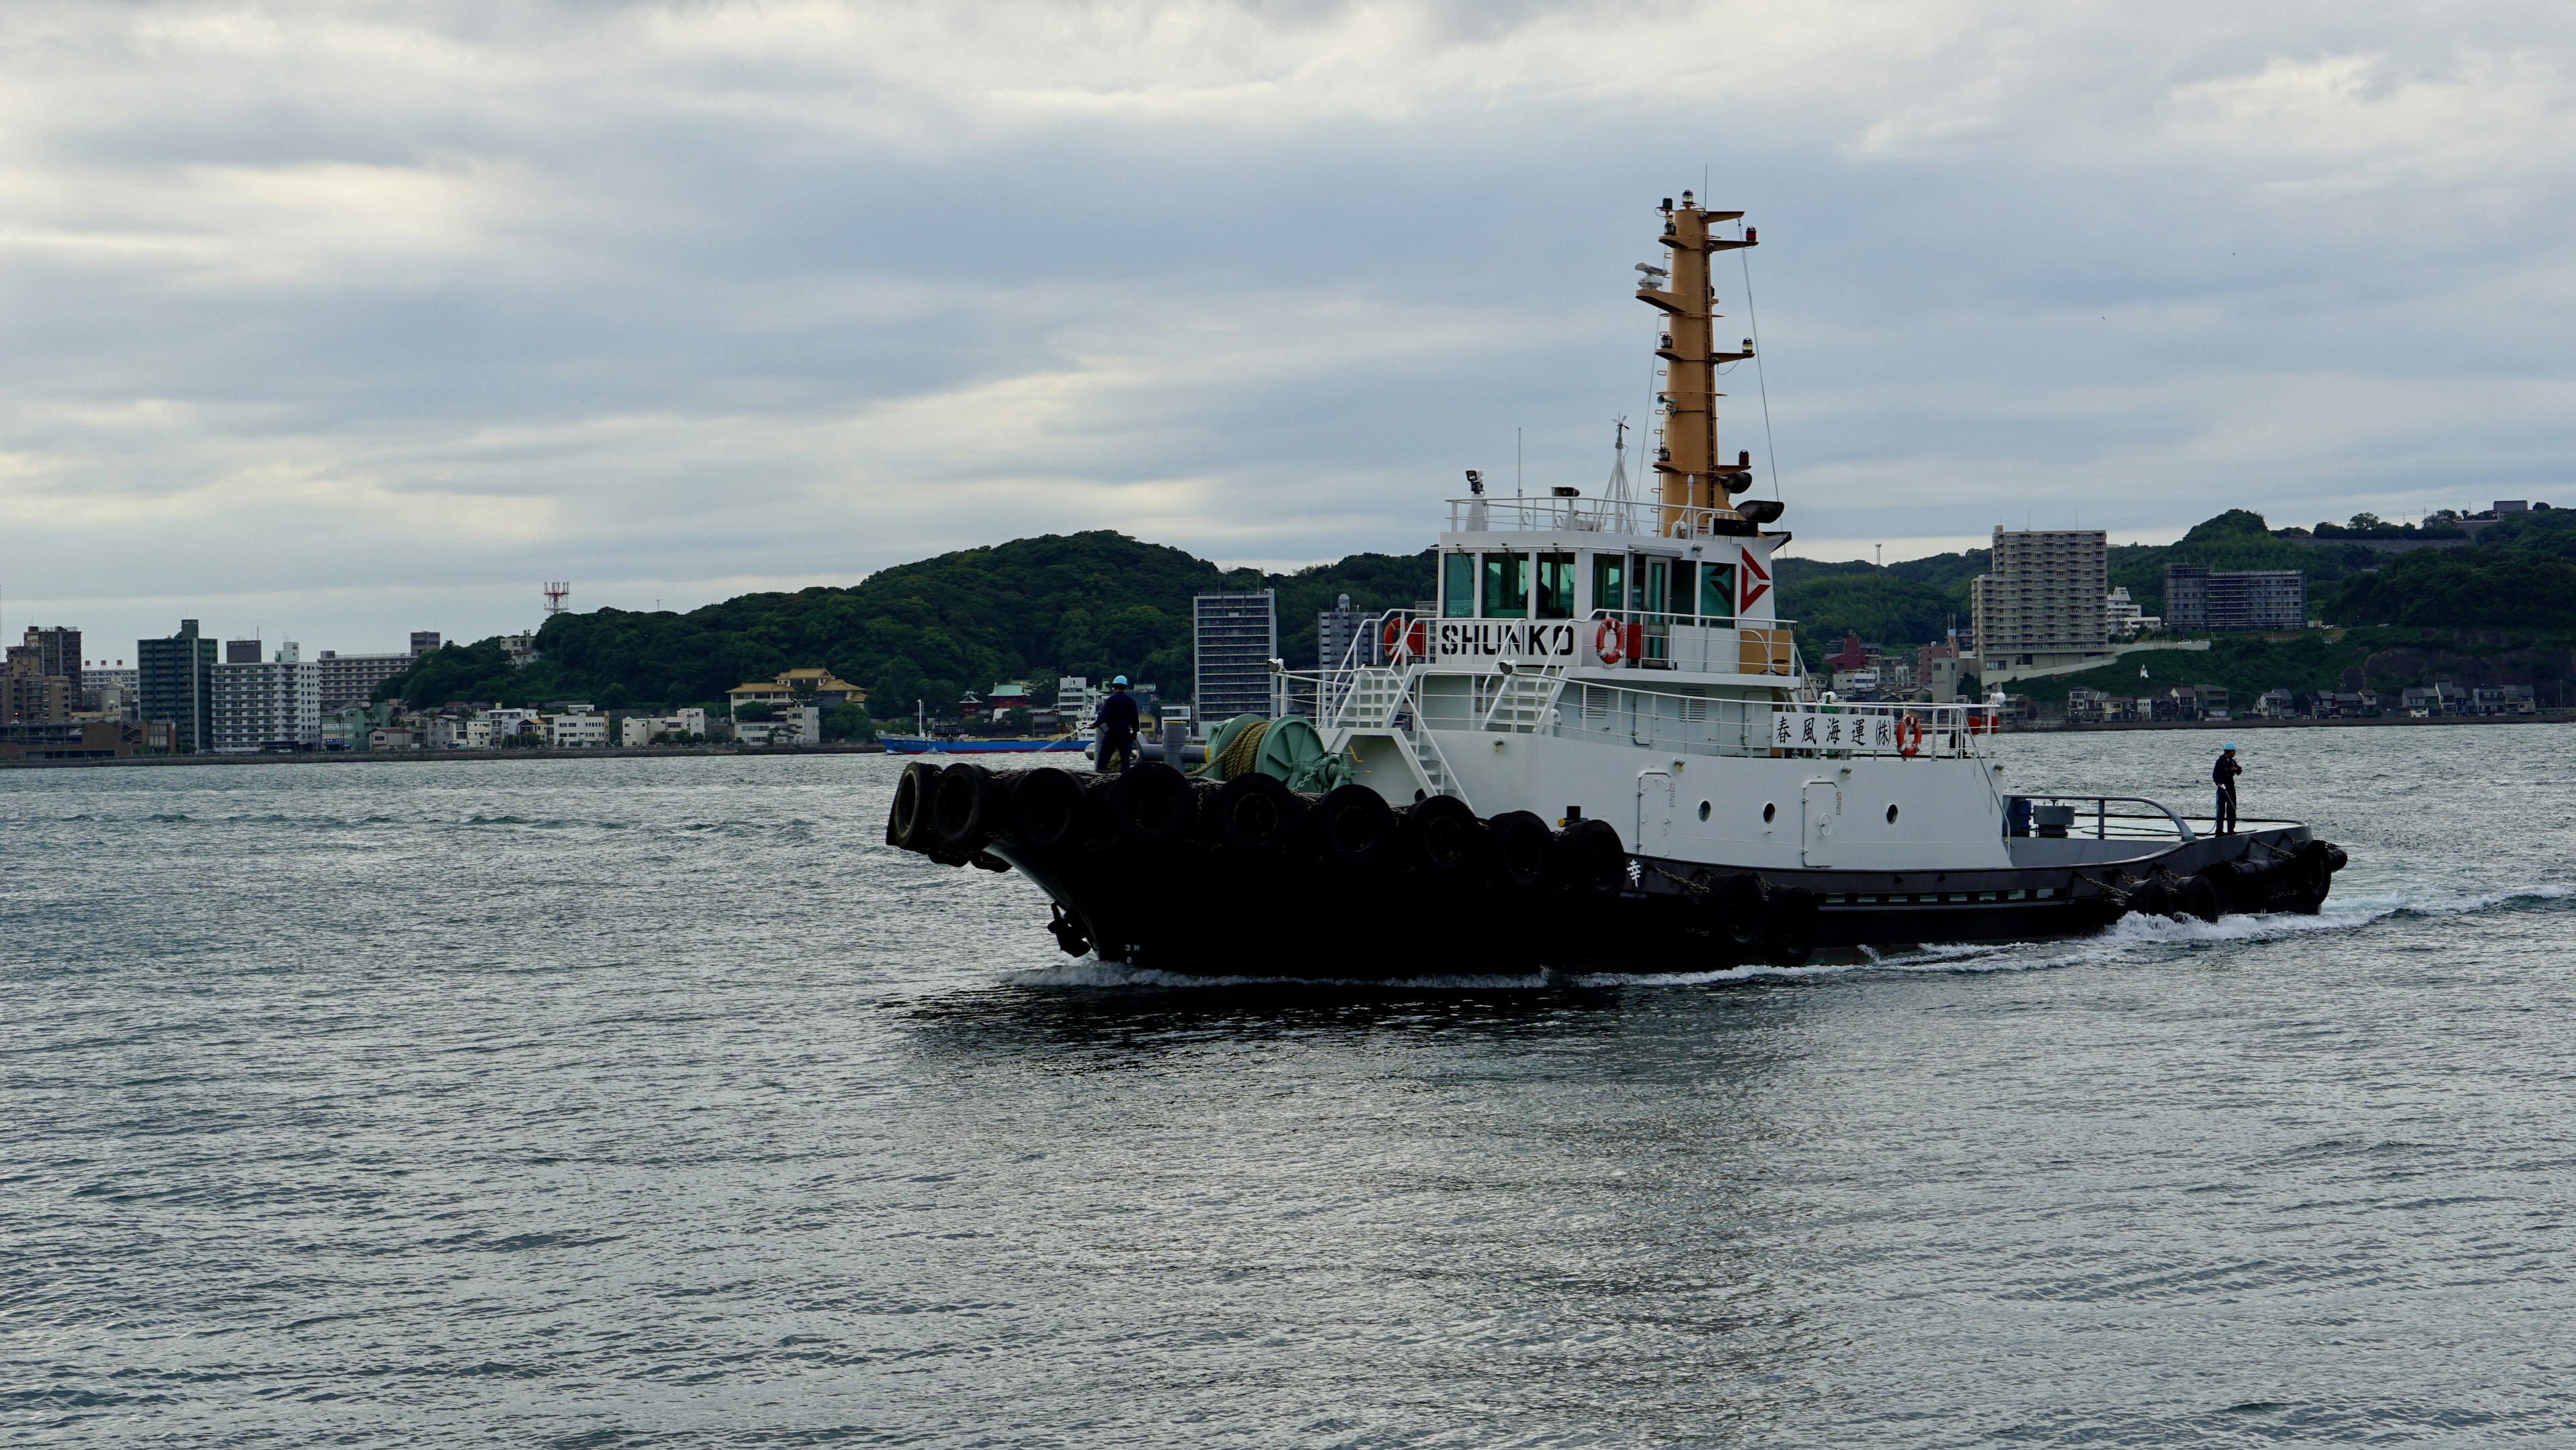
1235	637
490	728
387	737
810	685
52	652
2198	598
2041	606
273	704
423	641
33	699
445	732
352	679
174	678
576	730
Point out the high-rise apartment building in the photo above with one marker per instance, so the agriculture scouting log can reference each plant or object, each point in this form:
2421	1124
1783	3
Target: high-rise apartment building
2041	604
352	679
271	704
52	652
175	678
2201	598
1235	636
423	641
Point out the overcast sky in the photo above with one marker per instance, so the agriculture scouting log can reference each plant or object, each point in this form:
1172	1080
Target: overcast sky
338	320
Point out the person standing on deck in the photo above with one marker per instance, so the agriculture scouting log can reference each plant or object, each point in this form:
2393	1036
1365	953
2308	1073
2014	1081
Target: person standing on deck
1117	727
2225	773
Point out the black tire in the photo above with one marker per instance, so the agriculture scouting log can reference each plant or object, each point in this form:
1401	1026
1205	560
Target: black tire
1444	840
1738	904
1256	815
1150	806
1596	861
1524	852
1789	927
2200	898
1355	829
961	809
908	819
2155	899
1046	812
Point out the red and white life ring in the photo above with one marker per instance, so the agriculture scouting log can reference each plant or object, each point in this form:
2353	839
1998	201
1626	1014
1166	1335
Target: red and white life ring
1909	736
1605	641
1402	640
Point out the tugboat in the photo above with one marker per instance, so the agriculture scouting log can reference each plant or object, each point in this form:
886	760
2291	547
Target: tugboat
1599	751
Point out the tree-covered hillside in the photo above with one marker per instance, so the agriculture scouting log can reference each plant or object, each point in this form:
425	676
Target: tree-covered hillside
1093	604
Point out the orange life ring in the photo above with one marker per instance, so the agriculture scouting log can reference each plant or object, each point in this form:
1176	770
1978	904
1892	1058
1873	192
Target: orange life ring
1605	641
1909	736
1400	640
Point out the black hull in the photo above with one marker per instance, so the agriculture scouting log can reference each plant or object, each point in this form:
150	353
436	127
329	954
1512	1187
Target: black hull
1184	901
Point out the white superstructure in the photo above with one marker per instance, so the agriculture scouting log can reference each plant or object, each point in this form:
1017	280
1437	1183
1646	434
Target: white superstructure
1623	659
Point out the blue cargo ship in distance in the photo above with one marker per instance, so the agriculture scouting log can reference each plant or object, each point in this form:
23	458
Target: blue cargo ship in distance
974	745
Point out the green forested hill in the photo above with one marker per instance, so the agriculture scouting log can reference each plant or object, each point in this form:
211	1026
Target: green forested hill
1097	604
1093	604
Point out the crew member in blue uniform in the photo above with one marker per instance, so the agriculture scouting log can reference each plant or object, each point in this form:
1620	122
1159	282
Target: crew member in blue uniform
1117	727
2225	773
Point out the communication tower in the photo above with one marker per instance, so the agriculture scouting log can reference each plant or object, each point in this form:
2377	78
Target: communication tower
555	597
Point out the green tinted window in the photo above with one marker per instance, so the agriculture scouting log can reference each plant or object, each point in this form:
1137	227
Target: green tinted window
1685	586
1507	586
1458	586
1609	581
1717	590
1556	586
1658	572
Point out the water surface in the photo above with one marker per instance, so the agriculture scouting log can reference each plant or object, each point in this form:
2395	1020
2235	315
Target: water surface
657	1102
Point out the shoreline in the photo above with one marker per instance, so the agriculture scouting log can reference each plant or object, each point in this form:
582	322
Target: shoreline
430	757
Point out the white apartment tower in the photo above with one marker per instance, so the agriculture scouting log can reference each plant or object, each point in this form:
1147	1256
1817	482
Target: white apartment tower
2041	607
272	704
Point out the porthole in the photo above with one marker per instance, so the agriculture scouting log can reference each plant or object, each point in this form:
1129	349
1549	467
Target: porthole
1891	813
1703	810
1770	813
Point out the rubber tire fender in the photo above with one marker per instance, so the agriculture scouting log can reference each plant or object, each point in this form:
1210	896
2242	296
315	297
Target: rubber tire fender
1738	904
961	809
2154	899
1444	840
1355	828
1046	811
908	818
1596	860
1150	806
1524	852
2200	897
1256	815
1789	927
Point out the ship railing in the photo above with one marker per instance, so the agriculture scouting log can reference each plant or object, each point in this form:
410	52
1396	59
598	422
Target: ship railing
1721	725
1664	639
1562	514
2095	818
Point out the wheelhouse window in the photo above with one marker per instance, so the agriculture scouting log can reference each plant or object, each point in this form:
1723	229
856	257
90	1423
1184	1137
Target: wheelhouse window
1685	587
1609	581
1507	586
1717	591
1556	586
1458	586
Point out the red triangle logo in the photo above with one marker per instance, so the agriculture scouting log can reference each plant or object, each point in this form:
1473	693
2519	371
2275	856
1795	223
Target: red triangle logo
1752	591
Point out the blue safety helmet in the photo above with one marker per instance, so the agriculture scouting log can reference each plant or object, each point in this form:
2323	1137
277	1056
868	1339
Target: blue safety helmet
1122	679
2230	745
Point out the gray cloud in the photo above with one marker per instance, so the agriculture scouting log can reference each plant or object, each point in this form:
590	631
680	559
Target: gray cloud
338	319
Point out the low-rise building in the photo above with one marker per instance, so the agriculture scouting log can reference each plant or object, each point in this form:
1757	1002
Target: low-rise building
387	737
810	685
576	730
640	730
490	728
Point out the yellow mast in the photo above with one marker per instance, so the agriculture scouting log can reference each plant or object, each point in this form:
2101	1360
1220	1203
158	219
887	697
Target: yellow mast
1688	470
